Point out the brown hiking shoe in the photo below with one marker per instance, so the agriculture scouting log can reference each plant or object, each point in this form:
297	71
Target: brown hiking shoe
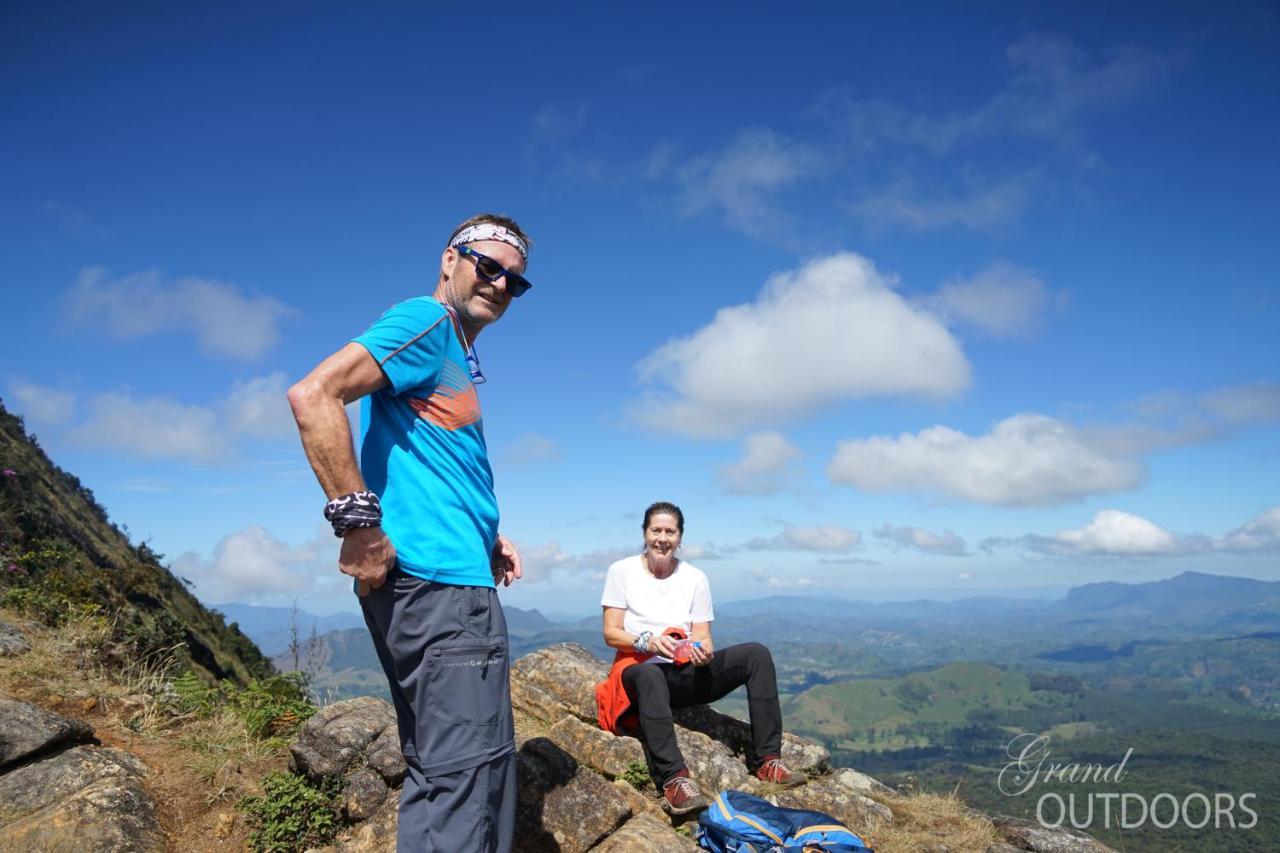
682	794
773	770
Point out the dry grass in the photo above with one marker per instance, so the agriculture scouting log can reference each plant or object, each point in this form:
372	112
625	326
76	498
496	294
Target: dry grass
200	767
924	821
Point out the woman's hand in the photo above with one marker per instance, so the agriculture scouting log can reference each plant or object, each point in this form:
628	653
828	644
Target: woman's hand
661	644
702	654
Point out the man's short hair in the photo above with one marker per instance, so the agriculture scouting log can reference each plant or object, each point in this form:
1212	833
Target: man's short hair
497	219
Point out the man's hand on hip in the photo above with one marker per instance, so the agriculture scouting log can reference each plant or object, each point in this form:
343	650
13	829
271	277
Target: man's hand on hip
367	554
505	562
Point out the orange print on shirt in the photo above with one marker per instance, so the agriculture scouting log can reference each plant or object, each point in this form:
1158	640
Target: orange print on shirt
454	404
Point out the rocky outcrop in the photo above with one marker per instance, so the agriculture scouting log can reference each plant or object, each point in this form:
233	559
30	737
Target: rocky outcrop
12	642
1029	835
573	796
58	792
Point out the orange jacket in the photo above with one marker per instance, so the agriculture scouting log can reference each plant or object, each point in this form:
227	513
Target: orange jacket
613	707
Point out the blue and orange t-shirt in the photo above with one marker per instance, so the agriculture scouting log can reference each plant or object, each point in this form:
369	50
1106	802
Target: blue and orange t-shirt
422	447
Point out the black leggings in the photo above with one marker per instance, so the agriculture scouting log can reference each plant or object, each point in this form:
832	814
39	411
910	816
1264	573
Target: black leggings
654	689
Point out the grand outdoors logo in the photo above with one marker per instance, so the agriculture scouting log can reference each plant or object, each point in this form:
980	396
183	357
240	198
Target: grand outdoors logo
1030	766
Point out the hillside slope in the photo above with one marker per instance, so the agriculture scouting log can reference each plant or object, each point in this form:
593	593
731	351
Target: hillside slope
60	555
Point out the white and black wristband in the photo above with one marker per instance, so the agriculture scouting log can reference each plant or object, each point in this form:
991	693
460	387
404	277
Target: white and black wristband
358	509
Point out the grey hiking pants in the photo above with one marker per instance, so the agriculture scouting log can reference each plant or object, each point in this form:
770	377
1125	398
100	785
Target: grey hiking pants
444	650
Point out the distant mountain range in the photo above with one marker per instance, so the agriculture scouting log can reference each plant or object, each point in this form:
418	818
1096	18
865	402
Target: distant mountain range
817	640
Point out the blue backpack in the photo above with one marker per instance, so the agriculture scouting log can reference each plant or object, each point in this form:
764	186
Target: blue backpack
740	823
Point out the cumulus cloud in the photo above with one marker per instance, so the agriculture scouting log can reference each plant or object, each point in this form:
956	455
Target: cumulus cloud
164	428
831	538
1003	301
1115	533
920	539
155	428
1112	533
258	407
1258	534
252	565
42	405
1026	460
531	448
539	562
225	321
833	330
765	466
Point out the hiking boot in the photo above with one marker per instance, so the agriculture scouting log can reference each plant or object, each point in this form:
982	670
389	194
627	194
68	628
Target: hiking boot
773	770
682	794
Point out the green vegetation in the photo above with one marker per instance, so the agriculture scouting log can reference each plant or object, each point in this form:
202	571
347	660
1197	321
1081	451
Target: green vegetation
61	559
274	707
291	814
950	728
637	776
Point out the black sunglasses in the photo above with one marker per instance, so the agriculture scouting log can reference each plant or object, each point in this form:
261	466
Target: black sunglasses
490	270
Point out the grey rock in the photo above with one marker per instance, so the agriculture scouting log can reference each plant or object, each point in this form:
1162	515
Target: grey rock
563	807
384	756
376	835
566	672
339	734
1029	835
595	748
828	794
712	764
798	753
645	834
861	783
363	793
536	703
1003	848
12	642
51	780
26	730
108	816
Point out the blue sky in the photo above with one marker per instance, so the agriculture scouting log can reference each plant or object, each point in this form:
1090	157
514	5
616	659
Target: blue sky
924	300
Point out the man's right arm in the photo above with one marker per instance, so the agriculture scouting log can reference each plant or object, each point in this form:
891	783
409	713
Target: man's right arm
319	404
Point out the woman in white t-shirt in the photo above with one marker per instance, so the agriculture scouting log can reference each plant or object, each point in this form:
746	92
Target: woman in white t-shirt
648	594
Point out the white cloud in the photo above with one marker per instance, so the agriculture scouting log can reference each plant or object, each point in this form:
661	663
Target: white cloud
1115	533
1259	534
983	206
159	427
829	538
41	405
1002	301
258	407
833	330
155	427
921	539
539	562
765	466
531	448
1026	460
740	180
780	582
252	565
1052	88
225	321
1244	404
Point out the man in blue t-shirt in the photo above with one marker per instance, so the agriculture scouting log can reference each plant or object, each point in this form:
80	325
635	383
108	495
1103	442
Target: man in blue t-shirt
419	526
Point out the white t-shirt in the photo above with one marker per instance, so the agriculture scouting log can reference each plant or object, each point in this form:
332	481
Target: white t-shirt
678	600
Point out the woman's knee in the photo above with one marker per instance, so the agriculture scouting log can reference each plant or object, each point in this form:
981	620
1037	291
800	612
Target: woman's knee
757	652
640	677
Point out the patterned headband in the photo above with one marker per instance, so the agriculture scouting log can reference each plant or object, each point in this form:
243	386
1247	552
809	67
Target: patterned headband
490	231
